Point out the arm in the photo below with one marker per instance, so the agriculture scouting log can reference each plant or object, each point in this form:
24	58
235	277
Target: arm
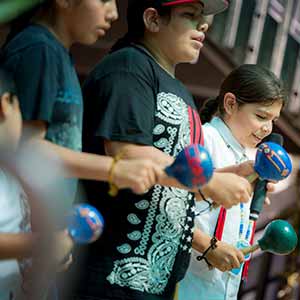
25	245
16	245
225	257
224	188
136	174
140	151
227	189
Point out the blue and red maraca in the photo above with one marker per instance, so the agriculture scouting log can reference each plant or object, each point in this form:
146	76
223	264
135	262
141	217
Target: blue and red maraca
84	224
193	166
271	163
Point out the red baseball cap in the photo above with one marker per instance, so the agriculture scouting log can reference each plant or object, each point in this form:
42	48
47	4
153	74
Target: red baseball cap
210	7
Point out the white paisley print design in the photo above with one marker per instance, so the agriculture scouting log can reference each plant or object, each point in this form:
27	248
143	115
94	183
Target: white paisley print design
166	229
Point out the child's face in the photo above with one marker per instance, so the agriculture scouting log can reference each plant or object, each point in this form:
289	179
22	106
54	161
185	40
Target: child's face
181	38
11	123
89	20
250	123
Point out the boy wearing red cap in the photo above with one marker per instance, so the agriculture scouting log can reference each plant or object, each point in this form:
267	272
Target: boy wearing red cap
133	101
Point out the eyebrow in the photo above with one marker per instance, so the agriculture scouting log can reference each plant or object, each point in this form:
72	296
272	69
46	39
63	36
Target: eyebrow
267	113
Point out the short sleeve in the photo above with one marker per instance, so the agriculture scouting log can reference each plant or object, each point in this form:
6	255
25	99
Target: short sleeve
37	79
127	107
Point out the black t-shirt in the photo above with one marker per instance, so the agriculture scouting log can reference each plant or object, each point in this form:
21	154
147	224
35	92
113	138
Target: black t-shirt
48	90
146	244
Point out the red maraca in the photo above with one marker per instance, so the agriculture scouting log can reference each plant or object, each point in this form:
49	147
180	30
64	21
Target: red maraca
193	166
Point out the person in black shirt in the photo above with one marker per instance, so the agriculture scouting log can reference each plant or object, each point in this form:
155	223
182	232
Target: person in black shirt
134	105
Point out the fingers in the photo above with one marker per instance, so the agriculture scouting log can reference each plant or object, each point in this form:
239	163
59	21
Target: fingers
65	266
246	168
240	256
235	259
267	201
225	257
271	187
149	174
230	189
138	175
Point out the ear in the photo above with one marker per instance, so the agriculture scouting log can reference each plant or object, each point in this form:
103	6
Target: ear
230	103
151	19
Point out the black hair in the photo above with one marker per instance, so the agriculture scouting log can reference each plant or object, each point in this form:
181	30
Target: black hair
250	84
135	22
7	83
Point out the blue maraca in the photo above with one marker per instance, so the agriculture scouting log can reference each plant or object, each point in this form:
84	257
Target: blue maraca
84	223
193	166
271	163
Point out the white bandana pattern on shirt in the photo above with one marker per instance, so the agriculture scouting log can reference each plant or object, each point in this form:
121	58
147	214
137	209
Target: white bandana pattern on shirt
167	211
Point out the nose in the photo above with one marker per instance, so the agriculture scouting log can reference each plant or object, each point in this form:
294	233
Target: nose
267	128
112	13
203	27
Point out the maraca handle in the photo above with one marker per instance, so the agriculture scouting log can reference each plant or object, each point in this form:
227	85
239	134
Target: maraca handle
250	249
252	177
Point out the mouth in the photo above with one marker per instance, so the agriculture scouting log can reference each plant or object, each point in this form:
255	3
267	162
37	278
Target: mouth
102	30
199	39
259	139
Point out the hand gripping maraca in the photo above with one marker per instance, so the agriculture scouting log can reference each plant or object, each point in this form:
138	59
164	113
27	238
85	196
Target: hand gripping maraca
271	163
193	166
84	224
279	238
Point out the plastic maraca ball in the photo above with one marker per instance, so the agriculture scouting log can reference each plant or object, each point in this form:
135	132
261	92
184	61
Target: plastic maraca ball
193	166
272	162
279	238
85	223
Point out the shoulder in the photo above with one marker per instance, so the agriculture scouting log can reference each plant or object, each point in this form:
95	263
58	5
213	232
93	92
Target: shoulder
213	141
130	60
33	39
210	132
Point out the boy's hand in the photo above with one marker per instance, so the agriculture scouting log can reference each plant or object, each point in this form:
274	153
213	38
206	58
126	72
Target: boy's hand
137	174
228	189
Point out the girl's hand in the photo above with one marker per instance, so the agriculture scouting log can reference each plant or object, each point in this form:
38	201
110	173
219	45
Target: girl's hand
225	257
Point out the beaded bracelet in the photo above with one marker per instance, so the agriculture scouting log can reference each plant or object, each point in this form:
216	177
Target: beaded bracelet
113	189
213	245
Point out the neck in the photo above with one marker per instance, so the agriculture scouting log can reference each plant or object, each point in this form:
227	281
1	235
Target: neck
159	56
228	125
57	27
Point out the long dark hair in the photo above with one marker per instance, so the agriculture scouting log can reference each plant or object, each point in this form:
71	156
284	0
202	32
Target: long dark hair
135	22
250	84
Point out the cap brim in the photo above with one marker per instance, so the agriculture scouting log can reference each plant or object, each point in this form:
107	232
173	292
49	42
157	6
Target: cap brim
211	7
